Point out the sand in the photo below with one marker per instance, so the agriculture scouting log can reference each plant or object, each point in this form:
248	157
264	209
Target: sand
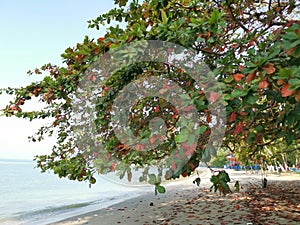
186	204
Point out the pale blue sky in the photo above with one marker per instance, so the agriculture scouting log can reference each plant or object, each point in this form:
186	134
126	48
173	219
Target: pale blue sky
35	32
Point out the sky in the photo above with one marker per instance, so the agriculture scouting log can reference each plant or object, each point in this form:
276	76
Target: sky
33	33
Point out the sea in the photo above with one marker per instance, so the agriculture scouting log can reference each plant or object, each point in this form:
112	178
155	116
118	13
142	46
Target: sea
29	197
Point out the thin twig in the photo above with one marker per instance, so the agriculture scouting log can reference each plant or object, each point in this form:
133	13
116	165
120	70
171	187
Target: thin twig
211	170
207	51
235	19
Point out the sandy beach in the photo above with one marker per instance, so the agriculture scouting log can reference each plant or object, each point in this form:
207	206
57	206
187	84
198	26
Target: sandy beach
186	204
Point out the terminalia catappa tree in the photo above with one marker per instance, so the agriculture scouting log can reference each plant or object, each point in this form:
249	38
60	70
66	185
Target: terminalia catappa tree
251	47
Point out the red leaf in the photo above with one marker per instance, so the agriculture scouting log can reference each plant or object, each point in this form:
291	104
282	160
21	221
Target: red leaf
239	129
101	39
173	165
139	147
269	68
208	118
113	166
290	51
237	77
159	137
235	45
92	78
243	113
285	91
213	96
189	149
184	174
297	97
207	132
232	117
278	9
152	140
290	23
263	84
167	176
20	102
191	165
250	76
188	108
280	81
129	176
251	43
14	108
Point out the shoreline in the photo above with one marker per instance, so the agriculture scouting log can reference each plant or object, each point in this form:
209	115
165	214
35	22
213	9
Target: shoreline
185	203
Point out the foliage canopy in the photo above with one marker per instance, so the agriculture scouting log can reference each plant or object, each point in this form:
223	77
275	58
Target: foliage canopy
252	47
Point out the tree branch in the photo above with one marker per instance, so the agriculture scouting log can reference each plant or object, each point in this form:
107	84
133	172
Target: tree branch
207	51
235	19
270	2
211	170
230	149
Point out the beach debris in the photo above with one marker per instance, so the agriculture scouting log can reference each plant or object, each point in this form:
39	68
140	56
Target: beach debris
264	185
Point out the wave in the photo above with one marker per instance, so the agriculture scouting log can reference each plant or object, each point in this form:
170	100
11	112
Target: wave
56	213
16	161
31	217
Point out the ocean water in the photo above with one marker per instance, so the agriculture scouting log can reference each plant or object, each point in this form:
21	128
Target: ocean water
32	198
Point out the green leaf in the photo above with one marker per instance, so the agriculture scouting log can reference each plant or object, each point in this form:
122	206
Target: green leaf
191	140
197	181
206	157
121	2
183	136
152	179
238	93
215	16
290	138
141	179
296	52
160	189
200	105
274	52
250	138
214	179
164	16
250	64
212	150
295	83
229	79
285	73
122	174
224	188
224	176
237	187
201	130
259	128
227	97
251	99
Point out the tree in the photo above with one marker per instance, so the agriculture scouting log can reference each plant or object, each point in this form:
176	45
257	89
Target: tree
252	48
220	160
